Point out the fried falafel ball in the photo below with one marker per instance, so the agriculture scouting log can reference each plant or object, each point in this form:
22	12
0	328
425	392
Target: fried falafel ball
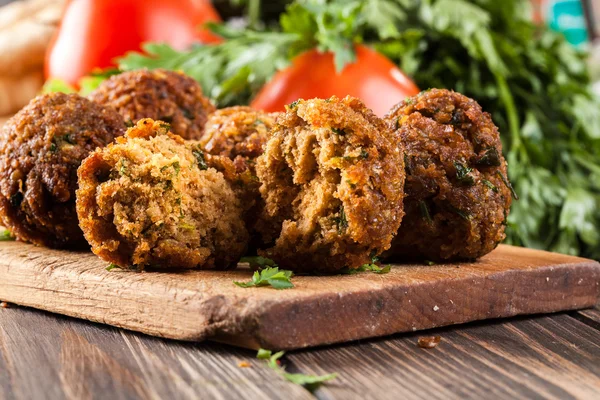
332	179
240	133
41	148
151	200
457	191
159	94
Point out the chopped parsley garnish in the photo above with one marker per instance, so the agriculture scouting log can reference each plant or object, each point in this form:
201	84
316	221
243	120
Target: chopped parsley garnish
258	262
490	158
129	123
293	104
463	214
364	154
367	267
508	185
53	147
429	262
6	236
463	174
377	269
341	221
199	154
278	279
176	166
310	382
425	211
490	185
165	126
123	167
338	131
112	266
68	138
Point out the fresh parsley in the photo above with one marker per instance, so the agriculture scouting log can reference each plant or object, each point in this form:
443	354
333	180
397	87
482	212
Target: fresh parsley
273	276
258	262
367	267
112	266
5	235
463	174
310	382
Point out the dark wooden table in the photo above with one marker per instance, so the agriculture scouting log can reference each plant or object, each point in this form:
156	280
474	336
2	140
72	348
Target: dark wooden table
46	356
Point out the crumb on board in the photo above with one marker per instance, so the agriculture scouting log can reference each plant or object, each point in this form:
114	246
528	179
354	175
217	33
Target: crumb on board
4	304
244	364
428	342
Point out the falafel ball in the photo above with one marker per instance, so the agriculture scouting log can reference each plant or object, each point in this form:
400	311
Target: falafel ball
159	94
457	192
151	200
41	148
240	133
332	179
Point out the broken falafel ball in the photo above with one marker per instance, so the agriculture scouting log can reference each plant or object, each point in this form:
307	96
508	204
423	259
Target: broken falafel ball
152	200
332	179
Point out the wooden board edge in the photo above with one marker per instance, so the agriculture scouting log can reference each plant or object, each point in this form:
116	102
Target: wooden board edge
324	321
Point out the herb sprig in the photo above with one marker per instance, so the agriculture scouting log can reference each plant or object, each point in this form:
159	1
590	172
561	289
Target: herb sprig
273	276
310	382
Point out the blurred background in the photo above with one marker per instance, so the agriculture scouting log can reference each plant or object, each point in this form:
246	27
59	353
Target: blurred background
533	64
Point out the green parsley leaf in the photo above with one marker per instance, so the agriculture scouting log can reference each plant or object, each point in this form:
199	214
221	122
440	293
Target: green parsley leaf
310	382
5	235
57	85
376	269
341	220
366	267
278	279
200	160
425	211
463	174
258	262
112	266
263	354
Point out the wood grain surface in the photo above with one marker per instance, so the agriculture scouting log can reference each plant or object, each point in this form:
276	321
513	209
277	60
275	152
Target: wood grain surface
43	356
545	357
199	305
49	356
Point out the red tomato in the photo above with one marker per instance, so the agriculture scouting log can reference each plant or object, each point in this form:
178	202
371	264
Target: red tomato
94	32
372	78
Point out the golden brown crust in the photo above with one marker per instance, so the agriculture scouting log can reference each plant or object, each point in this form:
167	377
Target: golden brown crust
151	199
241	133
332	180
237	131
456	199
159	94
41	148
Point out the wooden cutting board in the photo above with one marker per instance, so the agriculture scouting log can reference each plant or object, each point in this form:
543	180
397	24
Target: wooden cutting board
201	305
